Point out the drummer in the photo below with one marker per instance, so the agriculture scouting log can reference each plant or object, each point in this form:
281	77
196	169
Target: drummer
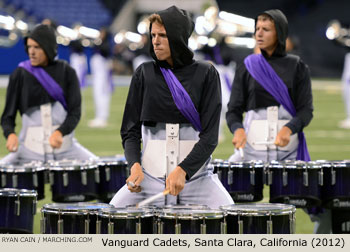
173	105
46	93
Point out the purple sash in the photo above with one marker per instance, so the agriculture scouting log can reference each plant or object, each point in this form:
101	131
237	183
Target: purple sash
263	73
182	99
50	85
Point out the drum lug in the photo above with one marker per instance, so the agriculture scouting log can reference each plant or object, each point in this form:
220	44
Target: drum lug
97	176
219	173
269	227
52	178
14	180
110	228
306	178
42	225
252	177
18	206
292	223
178	228
34	206
285	178
269	177
98	227
320	177
223	227
35	179
84	178
160	227
203	228
138	228
65	179
3	180
87	226
240	226
334	176
60	226
108	174
230	177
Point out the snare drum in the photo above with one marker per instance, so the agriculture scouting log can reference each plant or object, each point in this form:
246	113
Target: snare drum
336	184
113	173
177	220
17	210
295	182
243	180
70	218
24	176
128	220
262	218
73	181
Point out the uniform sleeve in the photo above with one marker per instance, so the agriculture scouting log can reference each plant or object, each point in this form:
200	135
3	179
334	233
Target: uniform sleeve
131	125
302	100
209	111
8	118
73	99
237	103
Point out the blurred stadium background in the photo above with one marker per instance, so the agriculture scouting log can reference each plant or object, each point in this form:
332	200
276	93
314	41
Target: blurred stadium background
310	22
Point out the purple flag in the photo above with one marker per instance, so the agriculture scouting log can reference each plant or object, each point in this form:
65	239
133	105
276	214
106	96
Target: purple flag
263	73
182	99
50	85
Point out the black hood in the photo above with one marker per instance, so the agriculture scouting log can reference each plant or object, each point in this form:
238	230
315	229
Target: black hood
45	36
281	24
179	27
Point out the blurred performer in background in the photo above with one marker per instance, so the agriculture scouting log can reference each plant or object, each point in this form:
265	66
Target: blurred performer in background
46	93
78	61
174	106
101	70
345	124
262	84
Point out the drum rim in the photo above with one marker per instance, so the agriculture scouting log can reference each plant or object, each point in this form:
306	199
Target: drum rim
73	168
125	212
51	208
188	214
276	209
15	192
12	169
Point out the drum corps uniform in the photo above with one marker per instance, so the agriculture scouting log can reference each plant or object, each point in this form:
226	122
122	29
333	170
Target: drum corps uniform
42	113
168	138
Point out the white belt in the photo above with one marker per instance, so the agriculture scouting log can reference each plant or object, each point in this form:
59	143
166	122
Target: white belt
262	133
160	157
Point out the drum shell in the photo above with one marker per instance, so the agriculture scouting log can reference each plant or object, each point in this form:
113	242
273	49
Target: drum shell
295	191
336	188
75	190
74	222
237	179
256	221
125	223
25	179
112	177
340	221
10	222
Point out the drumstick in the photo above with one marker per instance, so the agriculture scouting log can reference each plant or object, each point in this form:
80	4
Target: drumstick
152	198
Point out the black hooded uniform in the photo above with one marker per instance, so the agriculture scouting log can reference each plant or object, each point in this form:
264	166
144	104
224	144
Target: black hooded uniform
150	101
24	91
247	94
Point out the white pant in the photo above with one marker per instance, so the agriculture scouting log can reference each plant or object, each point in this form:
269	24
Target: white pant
100	70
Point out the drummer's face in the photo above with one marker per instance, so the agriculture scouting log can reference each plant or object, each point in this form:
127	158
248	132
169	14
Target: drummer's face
36	54
160	43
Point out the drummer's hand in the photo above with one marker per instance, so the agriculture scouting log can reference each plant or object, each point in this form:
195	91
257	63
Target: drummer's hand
12	142
176	181
56	139
283	137
136	177
239	138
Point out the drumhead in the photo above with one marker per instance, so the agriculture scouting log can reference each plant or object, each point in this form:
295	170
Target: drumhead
74	208
248	164
190	214
125	212
30	167
111	160
259	209
291	164
71	165
14	192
